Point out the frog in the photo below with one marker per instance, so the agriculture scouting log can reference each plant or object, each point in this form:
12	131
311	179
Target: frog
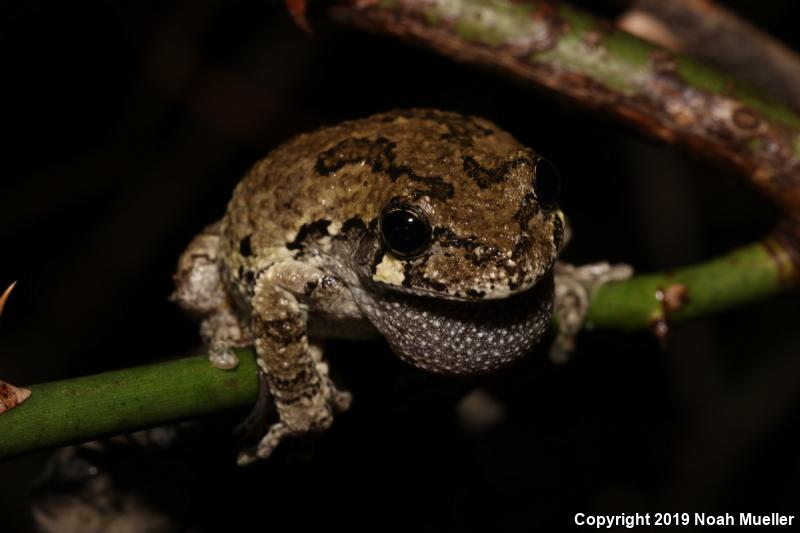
436	230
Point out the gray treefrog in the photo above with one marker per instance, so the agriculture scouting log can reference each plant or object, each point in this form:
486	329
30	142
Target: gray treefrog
435	230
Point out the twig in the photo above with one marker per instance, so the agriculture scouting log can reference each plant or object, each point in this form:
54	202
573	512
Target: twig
81	409
654	300
710	33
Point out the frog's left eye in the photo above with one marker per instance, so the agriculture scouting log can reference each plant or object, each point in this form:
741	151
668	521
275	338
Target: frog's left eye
405	231
546	183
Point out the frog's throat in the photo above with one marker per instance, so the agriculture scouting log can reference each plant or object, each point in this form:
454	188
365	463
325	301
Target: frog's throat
461	337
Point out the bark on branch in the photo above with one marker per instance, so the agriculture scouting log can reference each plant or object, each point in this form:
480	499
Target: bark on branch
706	31
575	54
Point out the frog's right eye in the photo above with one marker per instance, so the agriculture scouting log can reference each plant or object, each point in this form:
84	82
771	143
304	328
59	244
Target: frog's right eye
405	231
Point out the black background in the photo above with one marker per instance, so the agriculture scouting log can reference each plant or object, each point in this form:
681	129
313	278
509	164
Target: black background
125	127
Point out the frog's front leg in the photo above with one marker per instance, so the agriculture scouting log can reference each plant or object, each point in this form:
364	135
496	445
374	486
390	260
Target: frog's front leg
575	286
305	397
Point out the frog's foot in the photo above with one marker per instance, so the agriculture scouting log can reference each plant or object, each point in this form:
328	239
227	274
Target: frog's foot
222	355
575	286
341	400
223	331
307	416
277	432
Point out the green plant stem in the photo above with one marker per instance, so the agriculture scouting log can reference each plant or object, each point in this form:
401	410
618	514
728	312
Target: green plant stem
86	408
743	275
81	409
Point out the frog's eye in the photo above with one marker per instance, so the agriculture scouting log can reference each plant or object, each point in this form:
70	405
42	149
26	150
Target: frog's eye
405	231
546	183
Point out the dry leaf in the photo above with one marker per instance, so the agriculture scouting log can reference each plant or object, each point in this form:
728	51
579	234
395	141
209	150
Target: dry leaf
4	297
11	396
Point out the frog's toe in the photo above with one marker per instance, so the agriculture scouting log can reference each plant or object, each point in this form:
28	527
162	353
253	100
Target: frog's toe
277	432
575	288
246	457
341	400
222	356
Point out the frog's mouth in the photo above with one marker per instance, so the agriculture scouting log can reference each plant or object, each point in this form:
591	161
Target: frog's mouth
462	337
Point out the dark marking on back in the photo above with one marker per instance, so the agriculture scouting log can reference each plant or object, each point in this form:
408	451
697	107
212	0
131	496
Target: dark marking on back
464	129
484	177
318	228
437	187
245	246
380	155
351	151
